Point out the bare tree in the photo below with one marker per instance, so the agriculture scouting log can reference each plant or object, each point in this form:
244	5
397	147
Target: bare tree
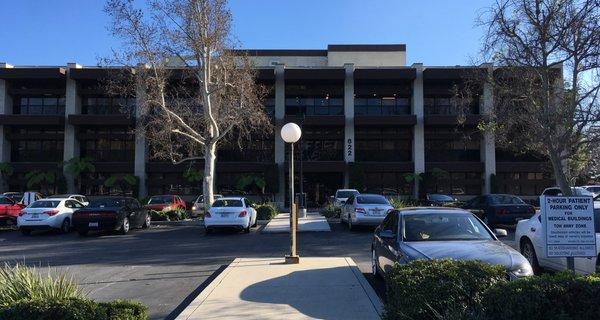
546	87
198	90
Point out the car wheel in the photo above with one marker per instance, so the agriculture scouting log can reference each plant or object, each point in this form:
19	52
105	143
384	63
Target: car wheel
82	232
124	226
374	266
529	253
349	223
247	229
66	226
255	223
26	232
147	222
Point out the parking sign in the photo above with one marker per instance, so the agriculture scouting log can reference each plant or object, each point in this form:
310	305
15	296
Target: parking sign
569	226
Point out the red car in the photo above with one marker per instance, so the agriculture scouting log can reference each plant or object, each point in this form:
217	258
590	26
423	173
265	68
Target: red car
166	203
9	211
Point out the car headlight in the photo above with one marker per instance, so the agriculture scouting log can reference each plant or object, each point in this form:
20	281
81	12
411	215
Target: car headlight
193	207
523	270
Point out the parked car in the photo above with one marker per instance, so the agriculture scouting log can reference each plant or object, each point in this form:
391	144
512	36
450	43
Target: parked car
529	236
30	197
341	195
439	200
365	209
16	196
82	199
441	233
500	209
165	203
9	211
576	191
198	205
594	189
46	214
230	212
111	214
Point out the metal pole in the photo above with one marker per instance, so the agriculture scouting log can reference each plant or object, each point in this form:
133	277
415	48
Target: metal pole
571	264
293	257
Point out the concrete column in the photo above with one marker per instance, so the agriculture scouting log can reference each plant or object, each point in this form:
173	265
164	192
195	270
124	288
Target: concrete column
488	144
279	117
141	148
71	144
419	128
5	108
349	120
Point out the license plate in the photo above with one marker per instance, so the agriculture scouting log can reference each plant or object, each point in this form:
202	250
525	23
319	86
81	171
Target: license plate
35	216
224	215
93	224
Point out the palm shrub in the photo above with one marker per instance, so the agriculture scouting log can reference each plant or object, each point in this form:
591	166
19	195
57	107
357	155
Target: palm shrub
331	211
20	282
122	181
78	166
6	170
41	179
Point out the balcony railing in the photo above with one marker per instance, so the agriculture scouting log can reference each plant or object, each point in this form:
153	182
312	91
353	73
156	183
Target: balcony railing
441	155
109	155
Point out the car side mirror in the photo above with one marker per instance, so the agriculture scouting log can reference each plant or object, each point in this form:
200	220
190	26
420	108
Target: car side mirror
501	233
387	234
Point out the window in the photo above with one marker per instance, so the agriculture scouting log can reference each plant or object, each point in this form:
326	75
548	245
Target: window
44	105
390	223
107	105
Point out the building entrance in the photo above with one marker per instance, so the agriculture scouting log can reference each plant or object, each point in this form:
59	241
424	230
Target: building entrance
320	186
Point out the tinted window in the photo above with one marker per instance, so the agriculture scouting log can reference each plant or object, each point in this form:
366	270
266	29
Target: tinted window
77	204
593	189
345	194
552	192
107	202
6	200
44	204
506	199
371	200
227	203
161	200
440	197
15	196
390	222
443	227
597	220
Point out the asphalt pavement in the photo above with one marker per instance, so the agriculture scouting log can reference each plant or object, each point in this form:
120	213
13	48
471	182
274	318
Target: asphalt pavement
166	267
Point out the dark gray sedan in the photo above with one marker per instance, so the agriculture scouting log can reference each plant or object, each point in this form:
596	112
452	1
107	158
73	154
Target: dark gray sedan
441	233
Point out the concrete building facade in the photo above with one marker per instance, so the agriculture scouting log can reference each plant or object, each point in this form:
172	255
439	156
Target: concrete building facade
369	122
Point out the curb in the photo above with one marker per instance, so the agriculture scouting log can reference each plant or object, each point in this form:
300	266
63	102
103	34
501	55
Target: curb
198	223
366	286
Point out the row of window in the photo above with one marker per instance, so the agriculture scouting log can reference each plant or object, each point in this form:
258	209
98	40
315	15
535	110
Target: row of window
107	105
47	105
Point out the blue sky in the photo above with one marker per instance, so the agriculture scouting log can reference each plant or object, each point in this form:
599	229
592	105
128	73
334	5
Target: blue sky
436	32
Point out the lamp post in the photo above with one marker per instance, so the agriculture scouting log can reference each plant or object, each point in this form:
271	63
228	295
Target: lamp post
290	133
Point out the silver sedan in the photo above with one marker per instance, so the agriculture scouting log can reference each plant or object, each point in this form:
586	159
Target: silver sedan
365	209
441	233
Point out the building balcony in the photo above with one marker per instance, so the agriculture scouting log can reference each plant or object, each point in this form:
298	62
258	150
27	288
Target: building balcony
32	120
101	120
407	120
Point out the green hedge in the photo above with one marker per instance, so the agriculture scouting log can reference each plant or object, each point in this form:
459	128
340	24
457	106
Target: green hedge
442	289
266	211
173	215
550	296
331	211
73	309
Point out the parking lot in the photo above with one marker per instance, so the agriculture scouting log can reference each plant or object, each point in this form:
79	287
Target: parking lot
166	265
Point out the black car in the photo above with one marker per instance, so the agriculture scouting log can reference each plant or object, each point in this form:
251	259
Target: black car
439	200
111	214
499	209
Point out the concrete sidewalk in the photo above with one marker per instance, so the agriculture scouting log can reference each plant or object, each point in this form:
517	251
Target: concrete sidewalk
314	222
266	288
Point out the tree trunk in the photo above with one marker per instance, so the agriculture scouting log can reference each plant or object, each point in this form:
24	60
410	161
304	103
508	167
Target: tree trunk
559	174
209	173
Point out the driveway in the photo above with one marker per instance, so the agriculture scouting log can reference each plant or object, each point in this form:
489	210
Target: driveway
167	265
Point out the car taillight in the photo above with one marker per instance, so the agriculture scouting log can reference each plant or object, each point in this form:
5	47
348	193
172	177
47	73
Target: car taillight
207	215
503	211
243	214
360	210
51	212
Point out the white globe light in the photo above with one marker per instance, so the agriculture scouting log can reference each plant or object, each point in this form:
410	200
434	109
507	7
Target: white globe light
291	132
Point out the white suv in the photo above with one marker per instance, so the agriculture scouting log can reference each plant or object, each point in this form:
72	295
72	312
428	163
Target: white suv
341	195
576	191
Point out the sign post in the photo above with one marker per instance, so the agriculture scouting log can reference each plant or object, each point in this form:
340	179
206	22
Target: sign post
568	224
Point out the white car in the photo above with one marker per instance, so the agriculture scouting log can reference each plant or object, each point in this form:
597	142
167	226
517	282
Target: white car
198	205
365	209
82	199
529	238
230	212
576	191
341	195
45	214
595	189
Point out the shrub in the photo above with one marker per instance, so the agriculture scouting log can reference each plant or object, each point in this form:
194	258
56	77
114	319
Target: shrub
446	289
266	211
20	282
331	211
73	309
158	215
549	296
402	203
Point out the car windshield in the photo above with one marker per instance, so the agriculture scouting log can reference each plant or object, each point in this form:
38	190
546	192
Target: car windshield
443	227
506	199
440	197
227	203
15	196
161	200
58	196
346	194
593	189
6	200
44	204
106	203
371	200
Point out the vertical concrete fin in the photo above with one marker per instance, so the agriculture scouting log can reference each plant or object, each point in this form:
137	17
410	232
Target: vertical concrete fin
349	121
488	144
71	144
279	117
419	128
